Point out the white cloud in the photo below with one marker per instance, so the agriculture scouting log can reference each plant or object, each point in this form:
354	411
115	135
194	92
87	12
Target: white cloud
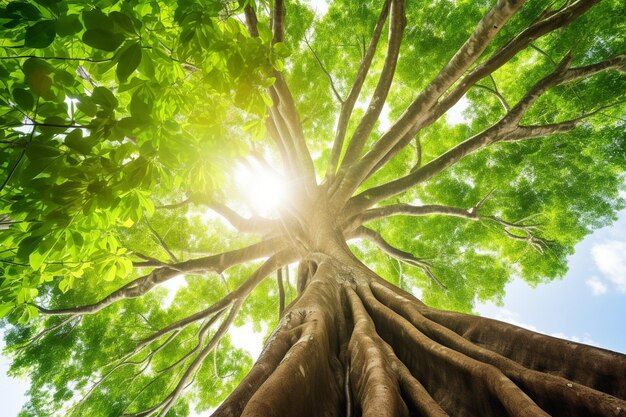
610	258
597	286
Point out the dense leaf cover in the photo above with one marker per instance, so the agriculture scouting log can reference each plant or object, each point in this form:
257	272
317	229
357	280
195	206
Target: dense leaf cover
124	124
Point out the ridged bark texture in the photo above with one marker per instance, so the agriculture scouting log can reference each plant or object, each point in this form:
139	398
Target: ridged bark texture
354	345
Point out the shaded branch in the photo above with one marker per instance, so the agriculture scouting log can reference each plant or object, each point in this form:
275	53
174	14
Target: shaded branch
325	71
507	128
160	240
251	21
417	113
406	257
281	292
397	23
348	106
139	286
278	21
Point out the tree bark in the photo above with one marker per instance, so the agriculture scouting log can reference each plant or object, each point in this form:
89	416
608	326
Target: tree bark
352	344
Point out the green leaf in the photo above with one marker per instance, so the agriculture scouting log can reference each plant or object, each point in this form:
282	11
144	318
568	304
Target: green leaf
140	106
68	25
87	106
129	61
66	284
146	67
103	97
74	140
110	273
27	246
24	99
36	75
35	259
123	21
96	19
6	309
26	294
103	39
281	50
40	151
26	10
41	34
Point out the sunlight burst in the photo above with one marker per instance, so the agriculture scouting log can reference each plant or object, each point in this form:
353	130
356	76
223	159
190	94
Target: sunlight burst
263	189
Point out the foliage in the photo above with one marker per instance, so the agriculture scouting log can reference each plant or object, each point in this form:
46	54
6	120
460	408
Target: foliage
113	112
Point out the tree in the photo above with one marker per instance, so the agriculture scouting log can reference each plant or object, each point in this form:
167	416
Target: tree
126	123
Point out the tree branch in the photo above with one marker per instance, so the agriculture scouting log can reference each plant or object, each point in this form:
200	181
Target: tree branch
505	129
417	113
140	286
397	23
348	106
527	230
255	224
406	257
325	71
173	206
278	21
164	406
160	240
400	134
496	93
281	292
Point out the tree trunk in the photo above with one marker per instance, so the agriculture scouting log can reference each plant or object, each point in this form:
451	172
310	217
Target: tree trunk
352	344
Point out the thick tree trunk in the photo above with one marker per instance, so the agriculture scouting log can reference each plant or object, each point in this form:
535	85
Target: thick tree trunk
354	345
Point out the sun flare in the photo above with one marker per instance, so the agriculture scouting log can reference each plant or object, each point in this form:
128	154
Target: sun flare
264	190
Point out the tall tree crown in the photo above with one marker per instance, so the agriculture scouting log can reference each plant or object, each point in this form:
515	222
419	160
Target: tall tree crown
126	125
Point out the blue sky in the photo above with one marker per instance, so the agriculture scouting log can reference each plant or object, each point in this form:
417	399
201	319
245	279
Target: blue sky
588	305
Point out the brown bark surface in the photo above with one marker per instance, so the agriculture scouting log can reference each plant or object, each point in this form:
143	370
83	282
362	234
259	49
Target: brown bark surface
354	345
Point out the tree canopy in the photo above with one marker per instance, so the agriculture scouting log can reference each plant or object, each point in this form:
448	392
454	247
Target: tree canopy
126	126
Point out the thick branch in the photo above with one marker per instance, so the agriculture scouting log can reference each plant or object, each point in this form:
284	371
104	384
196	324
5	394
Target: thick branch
278	21
285	107
254	224
397	23
251	21
348	106
141	285
547	22
527	230
401	133
284	126
281	292
505	129
404	129
276	261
